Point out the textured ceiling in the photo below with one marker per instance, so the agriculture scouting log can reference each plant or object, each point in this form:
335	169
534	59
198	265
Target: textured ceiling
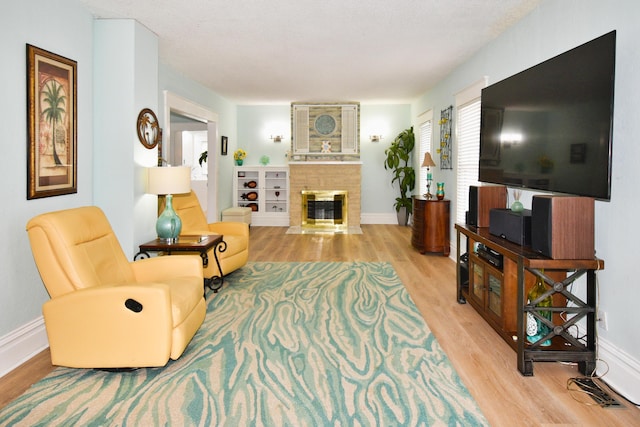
279	51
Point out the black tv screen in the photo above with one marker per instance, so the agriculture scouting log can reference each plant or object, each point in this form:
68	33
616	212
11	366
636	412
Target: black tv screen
550	127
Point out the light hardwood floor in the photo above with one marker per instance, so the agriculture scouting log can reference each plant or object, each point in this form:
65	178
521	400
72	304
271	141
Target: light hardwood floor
486	364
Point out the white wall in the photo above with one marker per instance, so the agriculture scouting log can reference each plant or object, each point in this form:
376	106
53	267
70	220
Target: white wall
555	27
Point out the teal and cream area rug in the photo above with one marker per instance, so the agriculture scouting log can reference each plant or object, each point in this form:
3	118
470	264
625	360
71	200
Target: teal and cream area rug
283	344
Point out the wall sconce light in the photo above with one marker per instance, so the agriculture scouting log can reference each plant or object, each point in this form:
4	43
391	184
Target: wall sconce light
277	138
375	138
511	138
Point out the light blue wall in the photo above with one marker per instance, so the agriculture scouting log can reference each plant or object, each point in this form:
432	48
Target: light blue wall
111	161
256	123
178	84
554	27
378	194
125	82
62	28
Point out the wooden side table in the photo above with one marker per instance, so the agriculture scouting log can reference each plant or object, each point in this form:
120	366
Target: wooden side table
190	243
430	230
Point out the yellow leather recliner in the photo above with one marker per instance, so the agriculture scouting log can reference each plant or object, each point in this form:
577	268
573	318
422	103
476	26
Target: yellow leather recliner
235	234
105	311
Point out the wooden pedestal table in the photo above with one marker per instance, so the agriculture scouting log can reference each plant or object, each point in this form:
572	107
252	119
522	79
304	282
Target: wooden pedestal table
430	230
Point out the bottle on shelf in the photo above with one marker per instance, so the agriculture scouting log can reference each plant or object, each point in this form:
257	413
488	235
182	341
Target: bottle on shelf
536	329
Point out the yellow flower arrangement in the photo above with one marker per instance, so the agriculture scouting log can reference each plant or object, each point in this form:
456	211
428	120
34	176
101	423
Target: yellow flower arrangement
239	154
546	163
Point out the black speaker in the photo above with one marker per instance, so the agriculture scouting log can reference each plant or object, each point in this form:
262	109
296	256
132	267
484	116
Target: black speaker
512	226
482	200
472	213
541	225
562	227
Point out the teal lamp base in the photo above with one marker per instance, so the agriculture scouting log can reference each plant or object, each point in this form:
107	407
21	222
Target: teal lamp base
169	225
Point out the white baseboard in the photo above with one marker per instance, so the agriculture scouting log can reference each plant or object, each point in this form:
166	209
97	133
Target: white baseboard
365	218
270	221
623	373
22	344
378	218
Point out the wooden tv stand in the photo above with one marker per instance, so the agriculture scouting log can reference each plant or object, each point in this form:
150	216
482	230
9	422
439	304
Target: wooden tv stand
500	296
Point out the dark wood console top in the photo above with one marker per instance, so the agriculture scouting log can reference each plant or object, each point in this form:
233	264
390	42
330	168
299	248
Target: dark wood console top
185	243
530	258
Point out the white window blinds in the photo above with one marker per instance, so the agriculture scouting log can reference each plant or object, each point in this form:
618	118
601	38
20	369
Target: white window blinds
468	133
426	131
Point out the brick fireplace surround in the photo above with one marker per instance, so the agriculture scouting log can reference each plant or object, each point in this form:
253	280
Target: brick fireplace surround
328	176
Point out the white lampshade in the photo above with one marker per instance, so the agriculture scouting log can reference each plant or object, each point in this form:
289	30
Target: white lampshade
169	180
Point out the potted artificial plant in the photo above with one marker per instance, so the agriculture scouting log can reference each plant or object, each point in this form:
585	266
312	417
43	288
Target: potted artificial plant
399	161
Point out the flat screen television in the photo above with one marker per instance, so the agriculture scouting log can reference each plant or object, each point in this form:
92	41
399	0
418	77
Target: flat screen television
550	127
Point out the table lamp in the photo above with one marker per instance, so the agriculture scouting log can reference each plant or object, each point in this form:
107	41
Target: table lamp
428	162
169	181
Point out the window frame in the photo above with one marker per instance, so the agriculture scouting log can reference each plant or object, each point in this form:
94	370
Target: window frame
424	146
466	155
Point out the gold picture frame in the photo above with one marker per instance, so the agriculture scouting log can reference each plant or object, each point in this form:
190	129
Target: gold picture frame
52	124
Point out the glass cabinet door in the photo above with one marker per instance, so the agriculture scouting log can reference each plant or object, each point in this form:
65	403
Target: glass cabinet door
494	294
477	289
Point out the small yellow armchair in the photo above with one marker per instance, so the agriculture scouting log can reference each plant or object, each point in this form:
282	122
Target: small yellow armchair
105	311
236	234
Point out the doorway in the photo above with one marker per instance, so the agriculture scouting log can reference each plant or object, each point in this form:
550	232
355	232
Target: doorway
191	129
189	141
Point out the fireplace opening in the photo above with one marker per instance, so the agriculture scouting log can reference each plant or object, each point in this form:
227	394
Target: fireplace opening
324	210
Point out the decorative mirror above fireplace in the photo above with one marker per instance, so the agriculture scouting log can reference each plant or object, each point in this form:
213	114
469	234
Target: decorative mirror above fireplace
325	130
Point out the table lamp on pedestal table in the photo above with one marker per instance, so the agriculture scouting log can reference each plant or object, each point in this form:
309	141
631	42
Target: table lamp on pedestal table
168	181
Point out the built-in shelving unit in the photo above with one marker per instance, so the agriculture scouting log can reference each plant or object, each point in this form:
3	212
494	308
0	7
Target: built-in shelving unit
264	189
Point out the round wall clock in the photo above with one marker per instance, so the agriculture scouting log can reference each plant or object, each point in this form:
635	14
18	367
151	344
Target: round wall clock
149	132
325	124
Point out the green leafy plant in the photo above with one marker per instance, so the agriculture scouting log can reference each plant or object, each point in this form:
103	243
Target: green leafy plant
203	157
399	161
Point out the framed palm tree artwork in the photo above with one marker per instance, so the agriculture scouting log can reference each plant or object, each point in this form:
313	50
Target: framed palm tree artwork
52	124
